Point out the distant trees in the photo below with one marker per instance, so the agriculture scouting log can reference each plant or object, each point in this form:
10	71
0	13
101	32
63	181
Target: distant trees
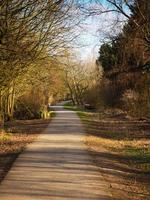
79	79
75	81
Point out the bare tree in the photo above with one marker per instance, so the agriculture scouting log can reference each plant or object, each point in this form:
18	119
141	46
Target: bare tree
27	30
140	9
79	79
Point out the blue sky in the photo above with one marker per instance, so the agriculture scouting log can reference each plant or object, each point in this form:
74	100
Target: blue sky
94	31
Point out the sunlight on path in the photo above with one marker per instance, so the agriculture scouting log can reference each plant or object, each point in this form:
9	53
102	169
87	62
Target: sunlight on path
56	166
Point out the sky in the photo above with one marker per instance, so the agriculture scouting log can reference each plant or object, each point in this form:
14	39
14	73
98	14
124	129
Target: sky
88	40
94	31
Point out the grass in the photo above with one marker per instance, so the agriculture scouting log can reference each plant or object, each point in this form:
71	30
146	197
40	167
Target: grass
52	114
120	154
69	106
137	151
141	154
82	112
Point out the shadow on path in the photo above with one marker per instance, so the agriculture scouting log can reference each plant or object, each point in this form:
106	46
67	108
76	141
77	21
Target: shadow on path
56	166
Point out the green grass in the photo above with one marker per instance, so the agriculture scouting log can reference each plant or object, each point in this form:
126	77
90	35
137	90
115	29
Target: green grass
69	106
137	151
52	114
86	116
81	112
139	155
74	108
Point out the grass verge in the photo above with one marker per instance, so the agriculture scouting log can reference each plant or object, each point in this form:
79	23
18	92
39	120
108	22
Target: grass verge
121	150
135	149
69	106
136	152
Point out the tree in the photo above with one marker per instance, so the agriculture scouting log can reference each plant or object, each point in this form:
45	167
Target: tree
130	68
137	11
28	29
108	56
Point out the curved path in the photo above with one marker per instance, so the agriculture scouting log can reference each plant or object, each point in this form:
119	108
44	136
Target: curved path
56	166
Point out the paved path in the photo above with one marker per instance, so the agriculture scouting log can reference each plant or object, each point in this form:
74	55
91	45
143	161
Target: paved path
56	166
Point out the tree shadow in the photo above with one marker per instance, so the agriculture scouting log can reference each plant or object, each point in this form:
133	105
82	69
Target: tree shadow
118	130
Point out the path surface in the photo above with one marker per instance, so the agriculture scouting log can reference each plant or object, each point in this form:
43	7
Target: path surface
56	166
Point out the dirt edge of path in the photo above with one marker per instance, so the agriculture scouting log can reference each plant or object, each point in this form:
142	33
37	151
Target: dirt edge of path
13	144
